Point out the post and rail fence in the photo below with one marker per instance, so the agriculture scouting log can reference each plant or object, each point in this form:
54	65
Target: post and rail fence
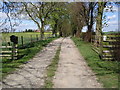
10	51
110	44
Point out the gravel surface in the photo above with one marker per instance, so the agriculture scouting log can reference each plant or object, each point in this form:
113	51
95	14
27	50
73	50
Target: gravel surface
32	74
73	71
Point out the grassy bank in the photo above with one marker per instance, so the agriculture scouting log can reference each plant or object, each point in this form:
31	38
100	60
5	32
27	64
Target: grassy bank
25	54
52	69
106	71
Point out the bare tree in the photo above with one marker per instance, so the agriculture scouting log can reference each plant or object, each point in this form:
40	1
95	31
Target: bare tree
9	10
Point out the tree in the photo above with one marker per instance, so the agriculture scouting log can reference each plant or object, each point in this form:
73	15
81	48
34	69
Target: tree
76	18
101	6
55	17
83	14
9	10
29	30
88	13
39	13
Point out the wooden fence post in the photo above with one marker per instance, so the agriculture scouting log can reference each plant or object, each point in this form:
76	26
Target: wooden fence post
37	37
12	56
14	51
31	38
49	36
45	37
9	44
22	40
101	46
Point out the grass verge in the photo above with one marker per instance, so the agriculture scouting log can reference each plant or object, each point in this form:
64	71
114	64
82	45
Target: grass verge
106	71
26	53
52	69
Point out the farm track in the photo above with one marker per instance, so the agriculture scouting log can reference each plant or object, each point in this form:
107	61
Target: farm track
32	74
73	71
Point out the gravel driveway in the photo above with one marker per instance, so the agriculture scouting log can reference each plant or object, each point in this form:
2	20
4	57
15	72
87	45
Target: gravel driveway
73	71
32	74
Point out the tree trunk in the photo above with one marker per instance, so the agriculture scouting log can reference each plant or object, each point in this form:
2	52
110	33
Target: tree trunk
60	32
88	34
56	25
98	37
54	32
74	32
42	33
42	30
78	32
90	25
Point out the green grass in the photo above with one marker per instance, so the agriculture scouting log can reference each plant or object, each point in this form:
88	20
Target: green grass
52	69
106	71
25	54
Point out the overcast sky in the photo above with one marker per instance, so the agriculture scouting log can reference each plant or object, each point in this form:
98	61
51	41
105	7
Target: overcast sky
112	23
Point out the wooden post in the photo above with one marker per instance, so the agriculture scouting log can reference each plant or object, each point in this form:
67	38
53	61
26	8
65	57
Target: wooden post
49	35
22	40
37	37
91	39
13	51
45	37
16	51
31	38
101	46
14	40
9	44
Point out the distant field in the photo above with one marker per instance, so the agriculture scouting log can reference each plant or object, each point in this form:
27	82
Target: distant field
26	35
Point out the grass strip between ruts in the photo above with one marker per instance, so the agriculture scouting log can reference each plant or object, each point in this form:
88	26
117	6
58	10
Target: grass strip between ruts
52	69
